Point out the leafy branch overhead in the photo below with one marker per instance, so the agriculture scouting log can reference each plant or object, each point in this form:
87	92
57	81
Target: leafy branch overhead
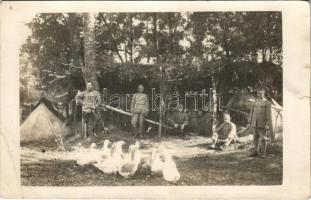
228	45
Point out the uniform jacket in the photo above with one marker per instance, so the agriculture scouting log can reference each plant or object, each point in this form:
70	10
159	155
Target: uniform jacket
260	114
89	100
179	118
140	103
226	130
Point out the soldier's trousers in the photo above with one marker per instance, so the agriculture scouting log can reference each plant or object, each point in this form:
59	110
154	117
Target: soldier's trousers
260	141
90	123
138	123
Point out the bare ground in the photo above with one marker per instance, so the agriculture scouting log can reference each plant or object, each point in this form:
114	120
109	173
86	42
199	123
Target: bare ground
197	164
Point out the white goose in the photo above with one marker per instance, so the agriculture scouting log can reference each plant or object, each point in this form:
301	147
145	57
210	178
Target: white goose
129	167
136	145
128	156
93	146
88	157
113	163
156	163
106	151
170	171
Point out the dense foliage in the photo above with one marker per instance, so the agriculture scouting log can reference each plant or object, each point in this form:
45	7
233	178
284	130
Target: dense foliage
239	49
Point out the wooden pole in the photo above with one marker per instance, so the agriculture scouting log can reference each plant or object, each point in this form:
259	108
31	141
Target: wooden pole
75	109
160	120
130	114
214	105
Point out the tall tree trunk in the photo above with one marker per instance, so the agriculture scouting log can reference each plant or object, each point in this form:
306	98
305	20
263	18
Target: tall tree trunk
156	48
89	67
270	54
226	48
225	39
126	51
147	31
155	35
213	55
214	105
131	38
116	48
170	35
268	38
161	110
75	43
263	54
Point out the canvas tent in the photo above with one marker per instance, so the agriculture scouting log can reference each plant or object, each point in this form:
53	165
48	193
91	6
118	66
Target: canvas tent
276	116
242	101
42	125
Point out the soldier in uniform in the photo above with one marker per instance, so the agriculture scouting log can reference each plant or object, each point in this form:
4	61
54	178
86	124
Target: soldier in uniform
179	119
139	109
90	100
260	123
225	134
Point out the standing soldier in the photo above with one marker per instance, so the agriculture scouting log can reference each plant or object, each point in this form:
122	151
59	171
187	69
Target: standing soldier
91	101
260	122
139	109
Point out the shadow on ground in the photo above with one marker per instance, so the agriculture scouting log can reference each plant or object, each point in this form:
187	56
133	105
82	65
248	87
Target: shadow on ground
202	167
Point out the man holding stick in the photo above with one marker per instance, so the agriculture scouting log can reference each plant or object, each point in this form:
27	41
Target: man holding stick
260	123
90	100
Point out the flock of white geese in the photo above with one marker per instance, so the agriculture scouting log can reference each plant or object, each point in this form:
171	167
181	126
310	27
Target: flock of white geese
111	159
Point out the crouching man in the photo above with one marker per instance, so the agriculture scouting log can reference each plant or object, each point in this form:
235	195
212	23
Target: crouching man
225	134
90	100
179	120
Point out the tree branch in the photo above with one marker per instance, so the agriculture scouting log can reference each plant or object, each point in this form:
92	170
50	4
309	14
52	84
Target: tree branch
113	40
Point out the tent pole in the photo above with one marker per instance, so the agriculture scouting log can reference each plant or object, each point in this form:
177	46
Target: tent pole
75	112
160	120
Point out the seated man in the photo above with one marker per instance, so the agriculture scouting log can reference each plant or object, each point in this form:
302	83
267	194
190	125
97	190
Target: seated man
225	133
179	119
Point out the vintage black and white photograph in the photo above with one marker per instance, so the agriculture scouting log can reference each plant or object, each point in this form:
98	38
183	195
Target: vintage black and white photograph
151	99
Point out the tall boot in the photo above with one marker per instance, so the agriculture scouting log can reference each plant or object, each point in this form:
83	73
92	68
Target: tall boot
136	134
85	131
256	146
140	131
262	148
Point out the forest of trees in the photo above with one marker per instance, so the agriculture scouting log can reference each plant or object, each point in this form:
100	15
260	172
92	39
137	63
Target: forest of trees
235	49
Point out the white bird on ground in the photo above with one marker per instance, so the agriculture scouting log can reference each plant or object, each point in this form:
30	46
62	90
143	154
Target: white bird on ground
170	171
93	146
76	151
156	162
129	167
113	163
119	150
106	151
128	156
149	129
88	157
136	145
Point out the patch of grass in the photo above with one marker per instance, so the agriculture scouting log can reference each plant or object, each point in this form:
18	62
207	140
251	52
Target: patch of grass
223	169
232	167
